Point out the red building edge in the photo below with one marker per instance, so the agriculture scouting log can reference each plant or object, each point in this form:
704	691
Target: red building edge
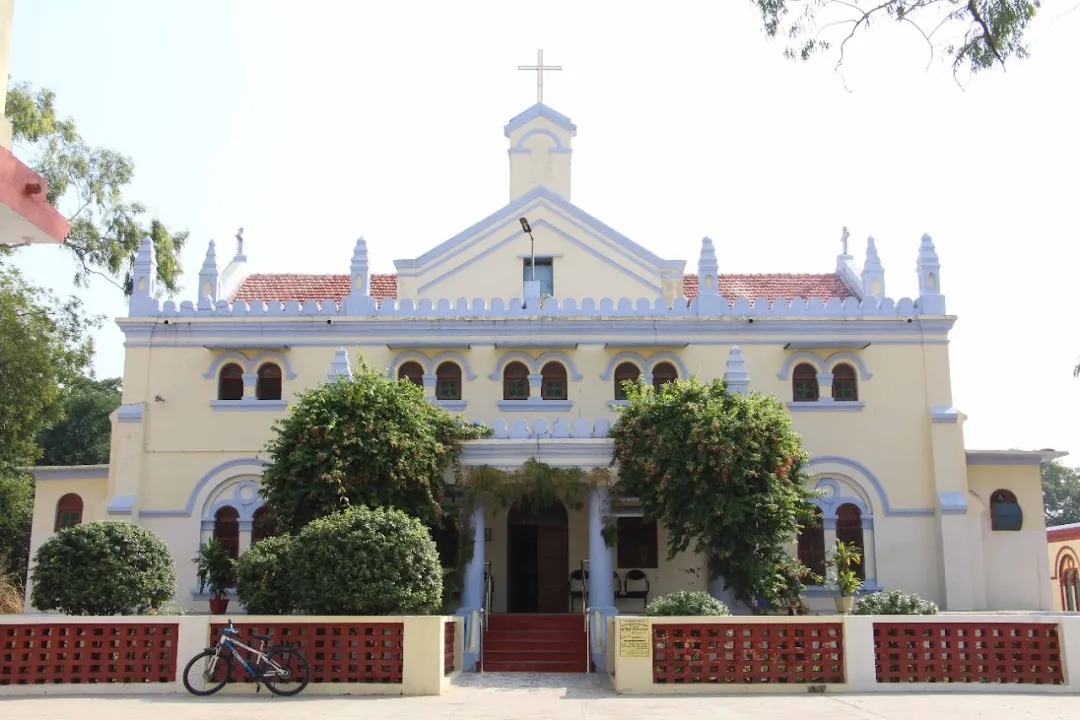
23	191
1063	533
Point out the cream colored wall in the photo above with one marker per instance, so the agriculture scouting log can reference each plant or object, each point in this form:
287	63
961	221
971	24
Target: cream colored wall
7	10
1016	562
47	493
1056	551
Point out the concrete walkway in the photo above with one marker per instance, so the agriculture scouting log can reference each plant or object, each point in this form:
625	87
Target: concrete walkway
494	695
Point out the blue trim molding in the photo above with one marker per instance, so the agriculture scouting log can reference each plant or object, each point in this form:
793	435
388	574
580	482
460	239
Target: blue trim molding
824	365
211	474
250	365
451	405
944	414
536	365
535	404
539	110
67	472
249	404
556	149
819	406
868	476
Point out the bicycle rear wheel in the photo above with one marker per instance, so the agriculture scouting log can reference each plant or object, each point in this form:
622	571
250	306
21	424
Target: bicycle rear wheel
289	670
210	675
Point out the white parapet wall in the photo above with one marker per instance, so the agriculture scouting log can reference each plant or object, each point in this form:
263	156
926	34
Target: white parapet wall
59	654
958	652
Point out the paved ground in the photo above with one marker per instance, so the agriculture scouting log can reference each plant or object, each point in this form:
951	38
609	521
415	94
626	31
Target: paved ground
534	697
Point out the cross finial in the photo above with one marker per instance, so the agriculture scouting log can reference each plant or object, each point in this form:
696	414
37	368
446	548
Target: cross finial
240	241
843	240
539	67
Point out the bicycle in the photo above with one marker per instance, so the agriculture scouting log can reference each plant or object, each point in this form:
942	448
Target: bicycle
277	659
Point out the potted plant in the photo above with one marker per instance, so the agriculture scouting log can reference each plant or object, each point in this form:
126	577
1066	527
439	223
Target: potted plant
216	570
846	558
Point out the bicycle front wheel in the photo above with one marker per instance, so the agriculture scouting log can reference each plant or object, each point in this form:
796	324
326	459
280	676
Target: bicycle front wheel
288	670
206	673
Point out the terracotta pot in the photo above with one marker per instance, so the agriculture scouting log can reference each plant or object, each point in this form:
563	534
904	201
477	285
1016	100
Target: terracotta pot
219	605
844	603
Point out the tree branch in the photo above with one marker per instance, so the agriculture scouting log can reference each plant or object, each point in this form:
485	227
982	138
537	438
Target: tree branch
987	36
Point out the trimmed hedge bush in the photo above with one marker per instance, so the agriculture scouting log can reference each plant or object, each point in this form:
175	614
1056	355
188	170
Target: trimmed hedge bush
103	568
262	577
365	561
893	602
682	602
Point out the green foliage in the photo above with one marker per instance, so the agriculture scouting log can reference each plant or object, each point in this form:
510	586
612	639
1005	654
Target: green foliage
16	517
215	568
987	32
720	471
1061	493
88	184
893	602
365	562
367	440
262	577
11	590
686	604
845	559
44	345
82	436
103	568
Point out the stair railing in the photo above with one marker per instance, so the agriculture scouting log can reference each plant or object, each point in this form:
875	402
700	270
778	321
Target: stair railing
585	612
485	611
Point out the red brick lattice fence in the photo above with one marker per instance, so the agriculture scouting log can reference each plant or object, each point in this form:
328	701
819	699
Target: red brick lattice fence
87	653
748	653
448	647
937	652
337	652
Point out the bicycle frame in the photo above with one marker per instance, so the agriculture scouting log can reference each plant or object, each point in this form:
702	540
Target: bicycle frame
235	645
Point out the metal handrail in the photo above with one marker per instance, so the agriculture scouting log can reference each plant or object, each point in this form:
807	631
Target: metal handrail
485	605
585	613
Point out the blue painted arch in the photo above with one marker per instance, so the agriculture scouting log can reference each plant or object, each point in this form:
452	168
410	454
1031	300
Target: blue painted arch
851	359
250	365
620	358
869	477
798	358
536	365
519	146
215	473
672	358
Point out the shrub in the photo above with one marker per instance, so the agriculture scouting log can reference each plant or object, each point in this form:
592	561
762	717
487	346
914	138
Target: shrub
103	568
262	577
682	602
11	595
365	561
894	602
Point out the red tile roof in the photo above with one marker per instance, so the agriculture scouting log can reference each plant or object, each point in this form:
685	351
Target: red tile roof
319	287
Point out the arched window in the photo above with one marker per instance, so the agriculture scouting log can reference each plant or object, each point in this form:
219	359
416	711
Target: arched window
554	385
231	383
849	531
625	372
1005	512
69	510
268	386
448	383
844	386
804	387
812	544
663	374
1069	582
412	372
227	529
262	524
516	382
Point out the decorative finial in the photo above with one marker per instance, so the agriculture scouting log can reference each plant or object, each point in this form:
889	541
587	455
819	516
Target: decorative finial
210	262
931	300
736	377
240	241
339	366
873	273
843	241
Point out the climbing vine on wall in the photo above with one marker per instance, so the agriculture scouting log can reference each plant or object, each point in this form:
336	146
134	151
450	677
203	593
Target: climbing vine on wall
534	482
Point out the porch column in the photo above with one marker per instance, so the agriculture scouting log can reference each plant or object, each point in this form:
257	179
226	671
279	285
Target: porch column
601	577
472	593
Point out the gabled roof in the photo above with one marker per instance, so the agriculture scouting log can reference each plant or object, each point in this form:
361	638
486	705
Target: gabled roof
289	286
539	110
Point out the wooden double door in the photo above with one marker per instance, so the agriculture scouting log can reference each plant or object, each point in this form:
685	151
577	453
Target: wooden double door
537	558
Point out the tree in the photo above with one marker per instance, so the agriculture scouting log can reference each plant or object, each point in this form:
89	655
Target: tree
1061	493
89	182
82	436
365	440
45	345
987	32
16	517
723	473
103	568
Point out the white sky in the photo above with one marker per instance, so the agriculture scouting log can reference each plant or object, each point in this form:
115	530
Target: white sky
312	123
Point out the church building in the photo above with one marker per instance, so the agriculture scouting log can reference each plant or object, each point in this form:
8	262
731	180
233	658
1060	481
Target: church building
537	350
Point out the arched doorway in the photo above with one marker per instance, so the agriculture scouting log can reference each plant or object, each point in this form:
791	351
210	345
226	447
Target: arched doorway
537	558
